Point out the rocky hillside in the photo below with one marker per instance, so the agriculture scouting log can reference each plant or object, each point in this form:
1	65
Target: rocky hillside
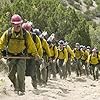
89	8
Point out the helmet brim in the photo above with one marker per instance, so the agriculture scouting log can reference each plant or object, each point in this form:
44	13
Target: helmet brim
18	22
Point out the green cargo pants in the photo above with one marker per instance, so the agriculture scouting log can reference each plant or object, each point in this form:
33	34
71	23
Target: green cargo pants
17	66
52	69
61	68
38	73
95	71
68	68
44	71
31	71
86	70
78	67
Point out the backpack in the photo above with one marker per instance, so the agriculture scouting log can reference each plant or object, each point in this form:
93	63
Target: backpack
97	56
69	55
34	37
75	50
53	50
62	51
10	34
44	51
53	47
41	40
9	37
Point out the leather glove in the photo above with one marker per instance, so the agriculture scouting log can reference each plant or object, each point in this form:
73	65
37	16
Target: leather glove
54	61
50	60
37	57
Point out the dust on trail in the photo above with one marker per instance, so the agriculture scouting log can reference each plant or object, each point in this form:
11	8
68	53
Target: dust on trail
74	88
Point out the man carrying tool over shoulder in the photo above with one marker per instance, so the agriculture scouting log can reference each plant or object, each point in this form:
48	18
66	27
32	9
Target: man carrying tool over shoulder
18	42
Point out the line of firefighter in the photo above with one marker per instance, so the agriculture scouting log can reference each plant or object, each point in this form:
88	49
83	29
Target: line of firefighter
85	59
48	58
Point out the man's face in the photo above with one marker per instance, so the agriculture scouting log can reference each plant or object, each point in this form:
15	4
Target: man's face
61	46
94	53
88	49
83	49
77	47
17	27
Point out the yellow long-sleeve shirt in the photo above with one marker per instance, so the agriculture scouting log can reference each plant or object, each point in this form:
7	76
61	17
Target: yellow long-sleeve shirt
93	59
85	55
54	51
38	44
70	51
45	47
78	53
17	43
63	54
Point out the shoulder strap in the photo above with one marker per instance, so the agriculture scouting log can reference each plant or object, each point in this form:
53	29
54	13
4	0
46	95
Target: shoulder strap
74	50
53	47
9	34
63	50
58	52
54	50
41	40
34	37
90	57
97	54
24	36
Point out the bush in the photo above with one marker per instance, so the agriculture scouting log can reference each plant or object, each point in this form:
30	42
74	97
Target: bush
71	2
78	1
77	6
95	36
97	2
88	2
80	34
89	15
48	15
98	11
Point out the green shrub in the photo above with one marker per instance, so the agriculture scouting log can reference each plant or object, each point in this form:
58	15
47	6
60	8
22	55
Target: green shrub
48	15
78	1
88	2
77	6
97	2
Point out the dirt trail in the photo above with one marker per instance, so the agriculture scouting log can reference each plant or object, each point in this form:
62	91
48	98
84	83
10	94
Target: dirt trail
74	88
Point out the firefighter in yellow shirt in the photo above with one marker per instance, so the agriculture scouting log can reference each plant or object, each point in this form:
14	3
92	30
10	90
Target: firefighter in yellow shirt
30	63
62	59
18	43
54	55
84	58
71	56
78	54
94	62
88	49
46	57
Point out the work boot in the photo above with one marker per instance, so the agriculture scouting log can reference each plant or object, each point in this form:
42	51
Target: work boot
20	93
